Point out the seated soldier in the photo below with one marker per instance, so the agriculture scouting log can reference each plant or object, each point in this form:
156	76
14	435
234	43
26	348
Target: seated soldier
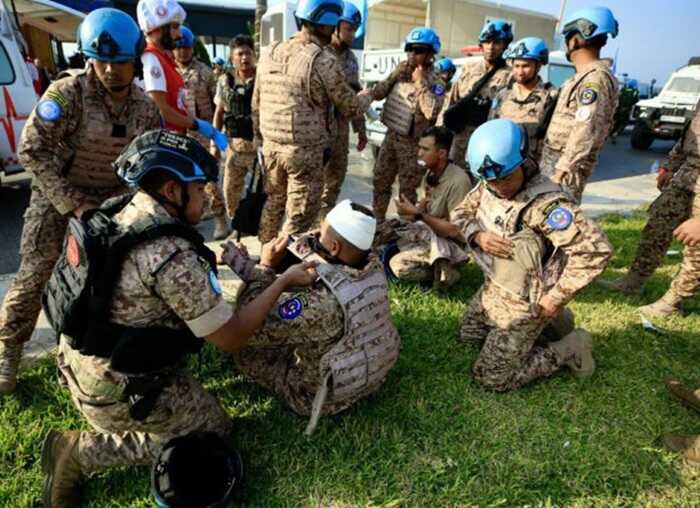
421	246
155	295
536	249
324	347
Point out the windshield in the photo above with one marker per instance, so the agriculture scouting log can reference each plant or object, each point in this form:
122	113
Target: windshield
684	85
560	73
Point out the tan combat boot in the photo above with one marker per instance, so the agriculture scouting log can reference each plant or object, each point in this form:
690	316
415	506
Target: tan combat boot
688	446
666	306
630	284
221	227
59	461
576	349
10	356
688	397
445	274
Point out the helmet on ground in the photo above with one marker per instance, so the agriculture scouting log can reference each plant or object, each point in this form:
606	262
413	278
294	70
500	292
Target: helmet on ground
351	14
423	37
197	470
354	223
496	30
632	83
187	39
591	22
445	65
219	61
496	149
110	35
162	150
319	12
529	48
154	14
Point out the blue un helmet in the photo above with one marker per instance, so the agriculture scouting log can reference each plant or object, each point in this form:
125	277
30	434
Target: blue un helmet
423	36
529	48
187	39
319	12
632	83
110	35
496	30
591	22
496	149
219	61
161	150
445	65
351	14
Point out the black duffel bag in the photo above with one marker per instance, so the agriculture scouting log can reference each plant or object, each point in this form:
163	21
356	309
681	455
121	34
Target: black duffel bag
247	219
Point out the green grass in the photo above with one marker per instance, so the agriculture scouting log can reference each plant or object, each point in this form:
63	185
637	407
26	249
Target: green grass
431	436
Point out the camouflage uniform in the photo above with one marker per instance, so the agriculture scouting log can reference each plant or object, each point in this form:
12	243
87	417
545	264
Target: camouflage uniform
419	247
70	160
240	156
408	110
540	219
673	205
471	73
527	108
580	125
163	283
337	166
298	81
200	88
302	340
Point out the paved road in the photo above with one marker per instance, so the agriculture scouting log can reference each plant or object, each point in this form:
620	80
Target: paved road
617	161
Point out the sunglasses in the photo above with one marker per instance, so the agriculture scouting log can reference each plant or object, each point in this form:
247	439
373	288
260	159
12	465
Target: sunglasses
418	50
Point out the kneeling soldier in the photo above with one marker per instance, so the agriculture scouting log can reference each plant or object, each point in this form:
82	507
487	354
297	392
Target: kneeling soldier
325	347
131	300
537	250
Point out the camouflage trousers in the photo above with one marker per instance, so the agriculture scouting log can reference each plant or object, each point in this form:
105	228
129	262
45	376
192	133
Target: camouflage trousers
458	151
336	168
666	213
573	180
118	440
237	166
398	155
294	185
687	280
508	331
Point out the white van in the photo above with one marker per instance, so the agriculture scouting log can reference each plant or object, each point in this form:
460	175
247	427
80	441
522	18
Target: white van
18	95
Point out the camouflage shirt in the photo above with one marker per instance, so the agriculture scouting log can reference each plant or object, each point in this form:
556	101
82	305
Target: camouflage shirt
684	159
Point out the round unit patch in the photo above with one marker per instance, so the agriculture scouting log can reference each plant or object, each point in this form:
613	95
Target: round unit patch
290	309
583	114
214	283
438	89
560	218
49	110
588	96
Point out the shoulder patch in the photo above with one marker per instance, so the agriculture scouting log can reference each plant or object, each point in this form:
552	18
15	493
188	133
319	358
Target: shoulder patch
214	283
290	309
560	218
438	89
583	114
56	96
588	95
155	72
49	110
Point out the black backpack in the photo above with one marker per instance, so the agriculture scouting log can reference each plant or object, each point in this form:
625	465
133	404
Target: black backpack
249	212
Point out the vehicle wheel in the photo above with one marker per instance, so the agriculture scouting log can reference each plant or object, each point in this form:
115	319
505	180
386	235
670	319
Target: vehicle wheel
641	138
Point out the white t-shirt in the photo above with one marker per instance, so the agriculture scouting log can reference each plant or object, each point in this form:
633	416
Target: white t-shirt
153	74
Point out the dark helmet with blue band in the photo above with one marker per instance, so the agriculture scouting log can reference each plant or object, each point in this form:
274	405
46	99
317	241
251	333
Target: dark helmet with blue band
110	35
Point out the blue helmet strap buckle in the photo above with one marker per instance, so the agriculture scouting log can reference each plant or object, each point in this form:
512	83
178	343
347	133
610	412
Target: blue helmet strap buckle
490	169
105	45
583	26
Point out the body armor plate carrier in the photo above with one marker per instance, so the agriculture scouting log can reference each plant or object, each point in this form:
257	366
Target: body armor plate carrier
238	119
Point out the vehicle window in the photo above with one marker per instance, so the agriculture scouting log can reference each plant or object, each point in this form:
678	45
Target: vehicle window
684	85
7	73
560	73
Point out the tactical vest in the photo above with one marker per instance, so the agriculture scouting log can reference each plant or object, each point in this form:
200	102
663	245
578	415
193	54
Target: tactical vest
359	362
287	114
565	111
98	141
77	299
504	218
198	99
399	108
238	118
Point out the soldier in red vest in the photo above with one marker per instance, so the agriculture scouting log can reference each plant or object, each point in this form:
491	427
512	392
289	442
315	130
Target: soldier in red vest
160	20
